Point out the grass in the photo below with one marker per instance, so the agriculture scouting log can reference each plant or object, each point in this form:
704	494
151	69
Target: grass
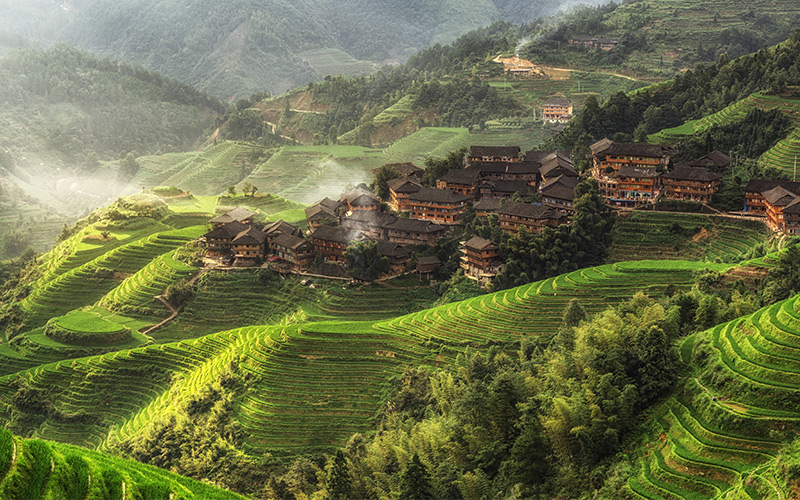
85	321
314	382
644	235
52	471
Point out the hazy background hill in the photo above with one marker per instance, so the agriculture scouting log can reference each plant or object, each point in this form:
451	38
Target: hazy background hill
235	48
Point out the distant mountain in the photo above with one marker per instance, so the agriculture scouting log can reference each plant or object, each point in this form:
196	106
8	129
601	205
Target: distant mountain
234	48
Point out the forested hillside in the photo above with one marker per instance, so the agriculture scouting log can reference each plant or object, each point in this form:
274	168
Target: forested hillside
65	116
233	49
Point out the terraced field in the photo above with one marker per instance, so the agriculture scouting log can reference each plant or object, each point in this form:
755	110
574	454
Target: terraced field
40	469
719	436
646	235
315	383
206	173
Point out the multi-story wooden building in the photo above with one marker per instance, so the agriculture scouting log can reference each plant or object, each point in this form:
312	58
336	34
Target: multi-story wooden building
325	212
515	216
492	153
486	206
782	209
293	250
461	180
559	192
480	259
331	242
499	189
525	170
754	202
249	247
399	255
220	239
371	224
557	110
437	205
414	232
238	214
636	186
555	165
400	189
360	199
691	183
609	156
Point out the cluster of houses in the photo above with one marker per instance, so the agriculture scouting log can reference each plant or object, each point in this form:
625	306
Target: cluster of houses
499	180
631	175
527	191
594	42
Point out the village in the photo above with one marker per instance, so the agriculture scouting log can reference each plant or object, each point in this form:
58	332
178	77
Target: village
527	192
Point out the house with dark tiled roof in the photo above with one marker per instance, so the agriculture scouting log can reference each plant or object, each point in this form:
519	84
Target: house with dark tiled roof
427	265
399	255
557	110
782	210
642	164
559	192
414	232
486	206
437	205
690	183
220	239
359	198
405	168
400	189
525	170
754	202
499	189
371	224
715	161
480	259
238	214
331	242
554	165
249	247
324	212
516	216
493	153
294	250
460	180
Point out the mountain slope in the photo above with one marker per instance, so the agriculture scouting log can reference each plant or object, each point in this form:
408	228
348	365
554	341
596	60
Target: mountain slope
240	47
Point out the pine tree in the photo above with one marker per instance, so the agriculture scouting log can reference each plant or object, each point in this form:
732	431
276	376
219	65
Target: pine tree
415	484
339	478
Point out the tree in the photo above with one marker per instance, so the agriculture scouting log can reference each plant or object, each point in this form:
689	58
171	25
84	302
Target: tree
339	478
414	483
384	174
574	313
232	190
128	166
364	260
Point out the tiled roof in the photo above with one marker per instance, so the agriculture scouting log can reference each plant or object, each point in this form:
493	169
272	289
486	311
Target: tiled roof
487	204
337	234
227	231
529	211
478	243
280	227
237	214
494	151
438	195
466	176
404	184
415	226
763	185
685	172
558	101
779	196
638	172
250	236
289	241
608	147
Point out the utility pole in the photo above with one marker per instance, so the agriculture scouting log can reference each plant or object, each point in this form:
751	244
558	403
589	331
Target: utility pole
794	177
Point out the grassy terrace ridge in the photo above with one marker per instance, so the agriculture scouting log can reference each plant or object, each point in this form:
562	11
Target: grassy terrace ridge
720	434
645	235
336	374
33	468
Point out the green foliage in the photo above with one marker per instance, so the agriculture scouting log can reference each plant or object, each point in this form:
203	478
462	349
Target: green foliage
384	174
179	293
365	262
414	483
86	328
437	167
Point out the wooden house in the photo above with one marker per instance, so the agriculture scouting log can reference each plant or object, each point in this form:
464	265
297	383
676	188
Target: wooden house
323	213
782	209
371	224
501	189
606	44
557	110
715	161
524	170
691	183
493	153
461	180
399	255
754	202
559	192
295	251
554	165
414	232
359	198
331	242
220	239
400	189
635	186
238	214
486	206
427	265
249	247
516	216
480	259
403	169
437	205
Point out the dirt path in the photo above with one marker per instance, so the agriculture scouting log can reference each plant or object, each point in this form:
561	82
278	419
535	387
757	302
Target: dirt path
572	70
173	312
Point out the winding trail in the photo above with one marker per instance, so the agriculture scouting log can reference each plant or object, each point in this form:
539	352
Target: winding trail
173	312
